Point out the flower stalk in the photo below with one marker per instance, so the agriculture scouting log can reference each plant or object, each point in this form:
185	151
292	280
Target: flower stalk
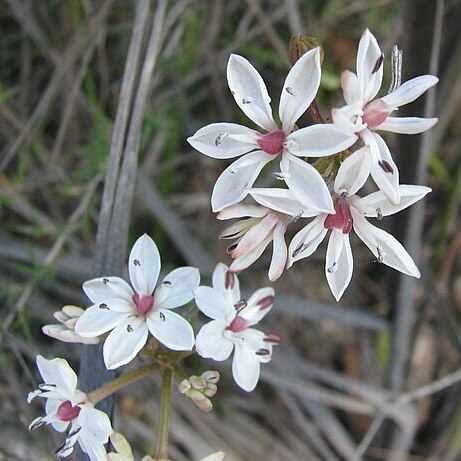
161	451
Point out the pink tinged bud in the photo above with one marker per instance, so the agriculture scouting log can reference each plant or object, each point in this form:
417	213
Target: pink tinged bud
273	338
266	302
342	220
376	113
143	303
272	143
66	412
238	324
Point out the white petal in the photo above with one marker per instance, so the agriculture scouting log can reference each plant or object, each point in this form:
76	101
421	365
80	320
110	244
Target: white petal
387	181
351	89
306	184
300	88
369	74
95	422
58	372
377	203
177	288
213	303
124	342
171	330
339	263
247	259
242	210
221	281
281	200
354	171
410	90
233	184
102	288
307	240
144	265
348	119
245	367
256	235
279	253
257	307
224	140
407	125
210	342
62	333
386	248
96	320
318	141
250	92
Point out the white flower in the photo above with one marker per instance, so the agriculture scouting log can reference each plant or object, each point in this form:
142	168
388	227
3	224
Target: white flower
67	406
132	314
68	317
228	140
362	117
351	211
230	328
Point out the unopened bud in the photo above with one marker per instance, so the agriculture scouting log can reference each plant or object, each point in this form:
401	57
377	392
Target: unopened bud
300	45
211	376
203	402
184	386
197	382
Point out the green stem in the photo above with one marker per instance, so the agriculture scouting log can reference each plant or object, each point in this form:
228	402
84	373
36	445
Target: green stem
161	451
119	383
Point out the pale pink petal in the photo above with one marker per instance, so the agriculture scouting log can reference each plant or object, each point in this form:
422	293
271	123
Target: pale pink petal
102	288
306	183
279	253
247	259
300	88
354	171
171	330
258	305
407	125
242	210
307	240
62	333
351	89
410	90
348	119
224	140
281	200
318	140
58	372
376	205
245	366
214	304
177	288
386	248
238	228
384	171
369	66
96	320
210	342
227	284
250	92
233	184
339	263
144	265
124	342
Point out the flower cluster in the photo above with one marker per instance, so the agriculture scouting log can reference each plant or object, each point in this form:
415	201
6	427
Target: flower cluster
123	315
351	141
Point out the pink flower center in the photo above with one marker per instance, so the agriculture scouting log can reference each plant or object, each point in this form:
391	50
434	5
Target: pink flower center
66	412
143	303
238	324
272	143
342	219
376	113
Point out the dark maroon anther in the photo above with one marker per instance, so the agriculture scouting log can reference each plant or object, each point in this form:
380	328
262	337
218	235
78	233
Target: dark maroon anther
262	352
378	63
231	248
385	166
239	305
266	302
66	412
230	280
273	338
103	306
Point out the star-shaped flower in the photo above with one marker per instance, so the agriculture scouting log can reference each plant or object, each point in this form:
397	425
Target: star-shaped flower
230	330
228	140
67	406
363	115
131	314
351	213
